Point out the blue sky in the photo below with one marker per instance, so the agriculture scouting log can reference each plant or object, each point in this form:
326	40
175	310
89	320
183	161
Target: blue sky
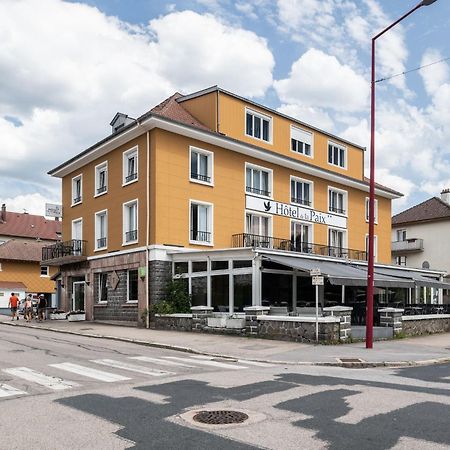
68	67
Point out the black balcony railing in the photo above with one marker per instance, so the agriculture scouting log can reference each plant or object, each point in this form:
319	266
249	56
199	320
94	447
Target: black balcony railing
257	241
101	189
130	177
201	236
101	242
75	247
257	191
336	210
131	236
76	200
300	201
200	177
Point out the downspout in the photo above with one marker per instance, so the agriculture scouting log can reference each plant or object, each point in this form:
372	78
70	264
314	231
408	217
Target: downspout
218	113
147	232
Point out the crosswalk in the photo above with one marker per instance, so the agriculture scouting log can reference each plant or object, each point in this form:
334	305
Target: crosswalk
21	380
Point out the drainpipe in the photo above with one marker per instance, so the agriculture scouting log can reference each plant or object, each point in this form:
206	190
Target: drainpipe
147	232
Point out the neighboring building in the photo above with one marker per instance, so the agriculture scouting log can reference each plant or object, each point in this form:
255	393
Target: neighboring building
22	238
201	186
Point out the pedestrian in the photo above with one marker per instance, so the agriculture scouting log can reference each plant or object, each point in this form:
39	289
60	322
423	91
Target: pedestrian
28	308
42	305
13	303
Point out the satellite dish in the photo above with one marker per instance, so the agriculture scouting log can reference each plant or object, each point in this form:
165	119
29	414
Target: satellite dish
425	265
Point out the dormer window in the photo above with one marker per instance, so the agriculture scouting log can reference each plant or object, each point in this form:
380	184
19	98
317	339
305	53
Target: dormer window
301	141
77	192
258	125
130	166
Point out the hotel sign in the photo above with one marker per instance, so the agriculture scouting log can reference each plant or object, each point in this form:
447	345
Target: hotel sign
294	212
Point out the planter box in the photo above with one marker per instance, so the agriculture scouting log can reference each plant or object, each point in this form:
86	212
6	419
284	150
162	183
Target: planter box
76	317
235	323
226	322
58	316
217	322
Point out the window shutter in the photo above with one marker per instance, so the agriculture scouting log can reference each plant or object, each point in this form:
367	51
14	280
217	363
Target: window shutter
302	136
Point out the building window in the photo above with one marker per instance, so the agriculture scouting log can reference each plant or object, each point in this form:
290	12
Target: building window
77	229
375	211
375	247
103	288
301	237
337	155
301	141
132	286
201	166
44	271
337	201
400	260
401	235
201	223
130	166
101	178
336	242
130	222
101	230
77	190
301	192
257	231
258	125
258	180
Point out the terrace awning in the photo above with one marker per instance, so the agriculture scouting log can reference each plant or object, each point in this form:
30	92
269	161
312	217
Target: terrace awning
418	278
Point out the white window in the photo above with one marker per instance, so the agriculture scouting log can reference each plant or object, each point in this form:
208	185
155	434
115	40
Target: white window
130	222
102	287
77	236
201	166
258	125
400	260
375	211
132	286
301	237
258	180
336	242
101	230
337	201
77	190
337	155
201	223
257	229
44	271
130	166
301	141
375	247
101	178
401	235
301	191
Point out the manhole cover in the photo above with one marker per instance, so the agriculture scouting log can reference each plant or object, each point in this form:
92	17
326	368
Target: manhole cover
351	360
220	417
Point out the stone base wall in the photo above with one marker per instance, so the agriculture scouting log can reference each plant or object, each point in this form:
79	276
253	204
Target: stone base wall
159	274
417	327
172	323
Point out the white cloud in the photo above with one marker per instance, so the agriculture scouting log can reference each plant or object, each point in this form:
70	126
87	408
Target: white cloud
30	203
313	116
434	76
310	84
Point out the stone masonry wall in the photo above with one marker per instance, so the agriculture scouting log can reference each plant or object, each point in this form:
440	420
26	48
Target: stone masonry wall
171	322
160	273
426	326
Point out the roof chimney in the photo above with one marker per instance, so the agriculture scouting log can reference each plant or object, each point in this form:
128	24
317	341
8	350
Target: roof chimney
445	196
3	213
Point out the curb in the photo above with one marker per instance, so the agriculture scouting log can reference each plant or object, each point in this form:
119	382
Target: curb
354	365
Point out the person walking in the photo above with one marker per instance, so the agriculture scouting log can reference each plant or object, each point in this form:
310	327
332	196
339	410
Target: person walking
42	305
28	308
13	304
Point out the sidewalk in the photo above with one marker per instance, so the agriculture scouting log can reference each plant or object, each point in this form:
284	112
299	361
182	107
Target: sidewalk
418	350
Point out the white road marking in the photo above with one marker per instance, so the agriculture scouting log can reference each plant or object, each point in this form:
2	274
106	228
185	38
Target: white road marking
9	391
57	384
240	361
132	367
205	362
90	373
159	361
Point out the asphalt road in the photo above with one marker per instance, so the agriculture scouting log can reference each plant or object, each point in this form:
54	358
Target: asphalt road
73	392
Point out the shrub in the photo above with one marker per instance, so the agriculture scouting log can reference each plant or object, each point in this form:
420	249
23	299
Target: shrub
177	299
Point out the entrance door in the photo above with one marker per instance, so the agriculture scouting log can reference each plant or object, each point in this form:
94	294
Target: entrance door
78	296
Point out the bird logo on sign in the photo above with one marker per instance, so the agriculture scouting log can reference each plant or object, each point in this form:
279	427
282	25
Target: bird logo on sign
267	206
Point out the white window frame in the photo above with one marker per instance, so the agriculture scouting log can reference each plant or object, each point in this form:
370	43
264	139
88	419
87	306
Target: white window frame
261	116
260	214
340	147
211	222
125	207
74	180
98	169
45	275
311	190
375	246
270	178
97	230
210	156
301	222
344	241
74	221
102	302
128	285
312	142
401	230
398	260
134	150
375	210
345	200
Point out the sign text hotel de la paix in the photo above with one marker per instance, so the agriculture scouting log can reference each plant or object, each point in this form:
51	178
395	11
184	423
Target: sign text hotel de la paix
294	212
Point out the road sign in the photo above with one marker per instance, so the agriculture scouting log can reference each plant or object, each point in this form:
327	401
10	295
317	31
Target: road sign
315	272
317	281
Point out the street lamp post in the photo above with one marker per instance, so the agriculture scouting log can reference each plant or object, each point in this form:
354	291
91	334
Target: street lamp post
370	281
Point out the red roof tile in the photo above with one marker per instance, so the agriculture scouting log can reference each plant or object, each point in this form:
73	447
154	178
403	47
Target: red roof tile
22	250
30	226
431	209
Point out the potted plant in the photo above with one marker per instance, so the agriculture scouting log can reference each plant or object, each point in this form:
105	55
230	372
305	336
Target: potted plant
58	314
76	316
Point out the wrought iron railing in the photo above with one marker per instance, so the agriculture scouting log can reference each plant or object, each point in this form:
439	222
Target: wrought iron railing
101	189
300	201
200	177
201	236
258	191
258	241
101	242
76	200
336	210
131	236
130	177
75	247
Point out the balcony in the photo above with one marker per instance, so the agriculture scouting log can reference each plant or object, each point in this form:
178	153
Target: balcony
64	253
407	246
200	177
257	241
130	177
131	236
